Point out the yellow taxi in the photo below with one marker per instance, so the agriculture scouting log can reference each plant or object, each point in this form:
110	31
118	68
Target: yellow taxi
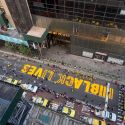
45	102
41	101
68	111
15	82
98	122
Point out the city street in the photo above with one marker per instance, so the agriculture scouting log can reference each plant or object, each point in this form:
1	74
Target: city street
81	93
67	59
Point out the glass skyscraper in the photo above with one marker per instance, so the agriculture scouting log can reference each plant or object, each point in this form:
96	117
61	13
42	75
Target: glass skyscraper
107	13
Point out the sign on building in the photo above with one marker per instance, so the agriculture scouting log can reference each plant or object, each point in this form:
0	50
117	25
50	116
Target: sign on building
87	54
122	12
115	60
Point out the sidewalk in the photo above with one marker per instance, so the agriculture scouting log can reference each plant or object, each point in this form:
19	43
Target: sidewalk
104	71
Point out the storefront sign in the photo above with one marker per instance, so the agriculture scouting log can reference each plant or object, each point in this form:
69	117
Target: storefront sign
67	80
115	60
100	56
87	54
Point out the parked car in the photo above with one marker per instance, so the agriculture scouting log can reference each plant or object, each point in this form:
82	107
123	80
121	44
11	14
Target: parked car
24	94
106	114
29	87
40	101
9	65
98	122
11	81
7	79
32	88
92	121
68	111
87	120
54	106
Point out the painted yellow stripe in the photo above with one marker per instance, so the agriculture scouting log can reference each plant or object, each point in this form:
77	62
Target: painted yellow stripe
101	90
50	75
104	91
110	93
44	74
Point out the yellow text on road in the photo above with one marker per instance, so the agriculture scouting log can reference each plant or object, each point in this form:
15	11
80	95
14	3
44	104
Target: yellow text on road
69	81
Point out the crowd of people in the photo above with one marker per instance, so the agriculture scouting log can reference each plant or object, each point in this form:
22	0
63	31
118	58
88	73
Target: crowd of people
11	69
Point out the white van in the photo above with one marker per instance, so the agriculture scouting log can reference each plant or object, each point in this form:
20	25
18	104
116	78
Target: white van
106	115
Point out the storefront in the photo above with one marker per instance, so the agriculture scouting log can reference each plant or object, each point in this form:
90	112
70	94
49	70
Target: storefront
59	37
100	56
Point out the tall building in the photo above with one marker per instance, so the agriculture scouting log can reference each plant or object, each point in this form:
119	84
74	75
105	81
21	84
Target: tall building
9	97
92	26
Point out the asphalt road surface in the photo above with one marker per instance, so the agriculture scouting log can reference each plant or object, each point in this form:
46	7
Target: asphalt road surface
77	94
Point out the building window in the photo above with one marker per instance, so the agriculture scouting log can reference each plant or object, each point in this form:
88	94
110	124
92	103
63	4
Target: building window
101	10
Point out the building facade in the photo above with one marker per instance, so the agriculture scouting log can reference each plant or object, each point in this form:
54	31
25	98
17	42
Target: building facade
88	25
106	13
9	97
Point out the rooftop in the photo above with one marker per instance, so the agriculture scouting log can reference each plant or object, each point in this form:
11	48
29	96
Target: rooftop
36	31
7	95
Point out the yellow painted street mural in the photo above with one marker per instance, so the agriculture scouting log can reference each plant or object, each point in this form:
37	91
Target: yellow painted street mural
67	80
